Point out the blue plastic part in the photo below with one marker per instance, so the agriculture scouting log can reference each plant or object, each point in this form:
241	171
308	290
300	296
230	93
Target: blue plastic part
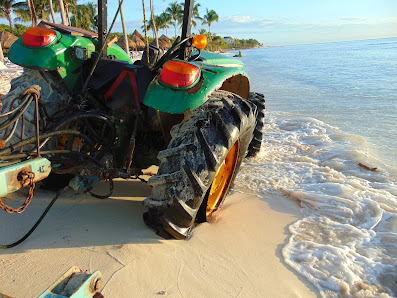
74	283
83	182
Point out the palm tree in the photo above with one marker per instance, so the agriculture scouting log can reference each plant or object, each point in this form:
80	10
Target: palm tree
156	38
149	26
6	6
54	20
32	12
72	5
210	17
61	6
164	20
175	10
195	14
83	16
40	8
202	31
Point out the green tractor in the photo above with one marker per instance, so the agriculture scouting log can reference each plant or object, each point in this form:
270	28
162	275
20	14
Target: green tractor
84	111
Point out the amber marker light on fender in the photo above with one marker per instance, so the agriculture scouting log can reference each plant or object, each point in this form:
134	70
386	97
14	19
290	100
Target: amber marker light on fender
38	37
179	74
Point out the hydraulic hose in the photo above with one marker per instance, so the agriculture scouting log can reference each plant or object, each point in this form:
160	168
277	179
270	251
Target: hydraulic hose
15	117
58	194
46	136
16	108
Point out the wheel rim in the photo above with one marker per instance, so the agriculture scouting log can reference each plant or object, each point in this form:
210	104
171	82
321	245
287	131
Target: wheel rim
222	180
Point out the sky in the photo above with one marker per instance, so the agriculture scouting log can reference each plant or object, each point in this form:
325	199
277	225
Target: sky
283	22
278	22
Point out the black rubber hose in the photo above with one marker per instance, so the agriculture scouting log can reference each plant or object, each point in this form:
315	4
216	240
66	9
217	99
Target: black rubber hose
46	136
102	197
16	116
79	116
168	54
17	108
24	155
6	139
58	194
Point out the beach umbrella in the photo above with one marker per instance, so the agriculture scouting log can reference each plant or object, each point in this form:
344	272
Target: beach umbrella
7	39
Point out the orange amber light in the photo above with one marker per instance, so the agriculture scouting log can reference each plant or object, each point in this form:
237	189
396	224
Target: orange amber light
38	37
200	41
179	74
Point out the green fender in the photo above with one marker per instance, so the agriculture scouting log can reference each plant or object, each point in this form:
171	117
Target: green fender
176	101
59	56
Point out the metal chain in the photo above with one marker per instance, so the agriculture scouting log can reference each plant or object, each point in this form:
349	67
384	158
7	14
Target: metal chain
28	181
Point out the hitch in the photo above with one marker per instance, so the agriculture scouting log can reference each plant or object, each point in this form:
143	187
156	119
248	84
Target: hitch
75	283
11	176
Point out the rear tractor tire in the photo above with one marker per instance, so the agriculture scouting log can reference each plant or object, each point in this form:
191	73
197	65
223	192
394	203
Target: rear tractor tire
54	95
258	100
200	164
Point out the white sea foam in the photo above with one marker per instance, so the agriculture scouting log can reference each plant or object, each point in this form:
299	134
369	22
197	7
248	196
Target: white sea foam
347	241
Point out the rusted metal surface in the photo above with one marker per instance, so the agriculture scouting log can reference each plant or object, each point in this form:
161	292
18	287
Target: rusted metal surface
237	84
11	176
25	178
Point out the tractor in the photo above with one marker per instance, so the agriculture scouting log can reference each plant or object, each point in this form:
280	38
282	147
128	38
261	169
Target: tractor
82	112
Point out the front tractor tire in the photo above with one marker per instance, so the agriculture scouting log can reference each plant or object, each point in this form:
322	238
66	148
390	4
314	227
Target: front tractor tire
200	164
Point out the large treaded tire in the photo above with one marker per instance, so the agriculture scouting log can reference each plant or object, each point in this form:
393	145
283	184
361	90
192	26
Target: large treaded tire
258	100
188	166
53	93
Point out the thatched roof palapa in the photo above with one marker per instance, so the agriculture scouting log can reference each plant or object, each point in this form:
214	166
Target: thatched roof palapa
164	37
137	34
131	44
165	42
7	39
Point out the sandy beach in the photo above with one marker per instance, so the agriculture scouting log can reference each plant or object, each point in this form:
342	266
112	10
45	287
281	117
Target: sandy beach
237	255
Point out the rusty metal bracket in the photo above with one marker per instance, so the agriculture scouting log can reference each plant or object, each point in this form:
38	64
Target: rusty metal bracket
13	177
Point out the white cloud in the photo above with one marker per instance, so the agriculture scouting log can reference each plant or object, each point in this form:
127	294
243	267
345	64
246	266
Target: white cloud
240	19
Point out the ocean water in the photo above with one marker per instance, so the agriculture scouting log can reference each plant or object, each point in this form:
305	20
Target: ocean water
329	108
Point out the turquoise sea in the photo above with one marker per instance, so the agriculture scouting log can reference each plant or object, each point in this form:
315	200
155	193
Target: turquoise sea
331	107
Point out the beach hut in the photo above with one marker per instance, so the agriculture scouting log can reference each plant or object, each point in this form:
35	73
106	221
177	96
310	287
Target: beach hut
139	40
131	44
165	42
138	35
7	39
